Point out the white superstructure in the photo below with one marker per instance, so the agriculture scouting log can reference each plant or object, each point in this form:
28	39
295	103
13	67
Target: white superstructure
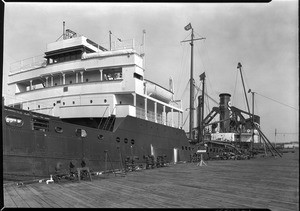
76	78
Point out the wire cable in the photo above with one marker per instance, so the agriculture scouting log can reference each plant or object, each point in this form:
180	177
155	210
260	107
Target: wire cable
236	76
278	101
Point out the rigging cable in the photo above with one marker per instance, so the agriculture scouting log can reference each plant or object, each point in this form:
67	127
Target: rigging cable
278	102
179	81
236	76
205	53
207	102
185	89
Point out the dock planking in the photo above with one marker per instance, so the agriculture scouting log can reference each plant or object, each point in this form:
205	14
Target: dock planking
269	183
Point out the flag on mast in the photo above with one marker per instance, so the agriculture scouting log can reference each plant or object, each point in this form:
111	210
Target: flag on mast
188	27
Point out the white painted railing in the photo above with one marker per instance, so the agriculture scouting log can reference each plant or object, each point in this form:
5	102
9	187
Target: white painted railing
27	64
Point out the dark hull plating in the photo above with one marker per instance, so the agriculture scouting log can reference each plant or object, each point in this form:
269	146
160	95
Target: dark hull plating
31	153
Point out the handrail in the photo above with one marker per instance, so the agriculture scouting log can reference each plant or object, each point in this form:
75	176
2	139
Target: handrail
102	117
27	64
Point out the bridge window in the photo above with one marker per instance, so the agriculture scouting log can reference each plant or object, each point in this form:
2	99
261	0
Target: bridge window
64	57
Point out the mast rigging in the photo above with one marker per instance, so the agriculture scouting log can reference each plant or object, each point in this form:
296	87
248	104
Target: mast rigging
191	125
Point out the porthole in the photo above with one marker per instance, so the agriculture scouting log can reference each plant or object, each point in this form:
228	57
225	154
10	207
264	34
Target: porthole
125	140
54	104
28	108
91	101
71	82
132	141
14	121
182	147
105	100
58	129
64	103
100	137
81	133
39	106
190	148
185	147
73	102
118	139
87	80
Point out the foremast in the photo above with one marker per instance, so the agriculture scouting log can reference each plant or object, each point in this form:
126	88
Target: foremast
192	108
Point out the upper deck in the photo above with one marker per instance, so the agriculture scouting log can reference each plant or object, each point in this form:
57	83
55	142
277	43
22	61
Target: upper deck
77	77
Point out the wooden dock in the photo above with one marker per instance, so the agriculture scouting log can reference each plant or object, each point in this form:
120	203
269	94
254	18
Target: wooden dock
268	183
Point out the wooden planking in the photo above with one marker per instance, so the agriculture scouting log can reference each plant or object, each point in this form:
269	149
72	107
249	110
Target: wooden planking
7	198
27	196
18	201
44	202
256	183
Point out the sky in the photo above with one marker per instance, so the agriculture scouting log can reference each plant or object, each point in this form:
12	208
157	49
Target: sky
263	37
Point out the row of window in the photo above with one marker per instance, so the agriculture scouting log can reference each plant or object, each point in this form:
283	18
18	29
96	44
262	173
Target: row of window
65	57
187	148
73	102
125	140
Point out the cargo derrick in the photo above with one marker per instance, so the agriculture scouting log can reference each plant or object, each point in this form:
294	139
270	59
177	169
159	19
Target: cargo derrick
230	137
234	136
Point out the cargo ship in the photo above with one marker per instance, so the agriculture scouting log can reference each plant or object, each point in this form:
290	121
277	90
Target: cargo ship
83	104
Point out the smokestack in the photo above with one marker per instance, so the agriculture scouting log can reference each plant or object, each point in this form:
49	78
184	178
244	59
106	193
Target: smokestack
224	112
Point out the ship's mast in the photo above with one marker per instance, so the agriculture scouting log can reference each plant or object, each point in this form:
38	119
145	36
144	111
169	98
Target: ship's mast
64	31
201	110
187	28
191	87
110	40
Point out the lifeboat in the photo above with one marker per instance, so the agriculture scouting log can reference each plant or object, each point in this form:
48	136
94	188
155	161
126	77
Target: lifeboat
158	92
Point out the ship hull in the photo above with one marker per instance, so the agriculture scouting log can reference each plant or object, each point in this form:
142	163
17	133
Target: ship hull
33	152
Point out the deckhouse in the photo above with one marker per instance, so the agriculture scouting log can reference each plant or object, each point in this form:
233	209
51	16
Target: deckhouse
77	78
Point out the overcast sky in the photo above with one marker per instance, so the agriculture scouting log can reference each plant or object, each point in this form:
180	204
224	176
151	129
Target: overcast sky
262	36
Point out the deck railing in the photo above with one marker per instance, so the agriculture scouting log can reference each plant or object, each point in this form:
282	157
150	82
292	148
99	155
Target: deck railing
140	113
27	64
119	45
